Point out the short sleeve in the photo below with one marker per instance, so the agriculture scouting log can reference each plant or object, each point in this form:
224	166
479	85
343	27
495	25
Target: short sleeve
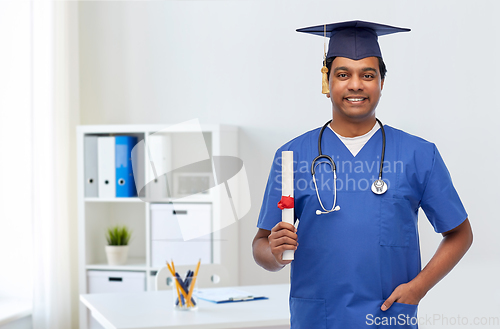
270	214
440	200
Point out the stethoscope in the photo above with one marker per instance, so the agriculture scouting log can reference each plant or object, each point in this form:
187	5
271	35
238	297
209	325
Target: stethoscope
378	186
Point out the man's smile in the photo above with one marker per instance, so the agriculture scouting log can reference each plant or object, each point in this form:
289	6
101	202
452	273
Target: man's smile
355	99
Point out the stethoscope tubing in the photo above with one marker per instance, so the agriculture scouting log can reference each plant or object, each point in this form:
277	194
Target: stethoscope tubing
332	164
382	156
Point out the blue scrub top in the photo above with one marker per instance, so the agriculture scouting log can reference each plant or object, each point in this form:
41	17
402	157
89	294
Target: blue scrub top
349	261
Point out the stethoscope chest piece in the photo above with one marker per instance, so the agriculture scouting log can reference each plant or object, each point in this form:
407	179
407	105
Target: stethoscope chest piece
379	187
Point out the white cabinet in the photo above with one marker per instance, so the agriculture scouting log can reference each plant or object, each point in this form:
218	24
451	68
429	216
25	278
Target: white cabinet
99	282
184	224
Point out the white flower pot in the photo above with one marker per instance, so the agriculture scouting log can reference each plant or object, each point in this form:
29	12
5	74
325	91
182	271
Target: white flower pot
117	255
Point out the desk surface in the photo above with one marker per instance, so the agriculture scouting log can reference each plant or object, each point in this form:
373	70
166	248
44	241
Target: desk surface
148	310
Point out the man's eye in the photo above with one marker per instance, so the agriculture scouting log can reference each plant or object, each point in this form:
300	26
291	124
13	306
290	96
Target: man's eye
368	76
342	75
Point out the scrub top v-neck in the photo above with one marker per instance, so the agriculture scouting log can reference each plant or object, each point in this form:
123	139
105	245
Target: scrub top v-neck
355	144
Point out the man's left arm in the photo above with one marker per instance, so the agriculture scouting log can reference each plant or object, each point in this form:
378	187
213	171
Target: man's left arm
452	248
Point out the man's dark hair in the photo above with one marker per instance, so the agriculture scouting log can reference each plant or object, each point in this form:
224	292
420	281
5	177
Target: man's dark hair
381	66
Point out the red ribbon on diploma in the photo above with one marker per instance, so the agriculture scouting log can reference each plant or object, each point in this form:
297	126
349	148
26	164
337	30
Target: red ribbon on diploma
286	202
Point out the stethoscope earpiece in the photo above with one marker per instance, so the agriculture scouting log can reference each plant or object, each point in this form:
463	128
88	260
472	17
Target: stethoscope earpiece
319	212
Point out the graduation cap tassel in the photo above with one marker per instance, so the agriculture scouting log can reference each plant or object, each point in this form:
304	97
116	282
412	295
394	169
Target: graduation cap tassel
324	80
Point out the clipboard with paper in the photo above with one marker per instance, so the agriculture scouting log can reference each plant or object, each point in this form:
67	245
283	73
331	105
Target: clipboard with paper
226	295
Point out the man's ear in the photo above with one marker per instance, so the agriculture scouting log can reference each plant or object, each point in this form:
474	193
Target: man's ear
327	95
382	84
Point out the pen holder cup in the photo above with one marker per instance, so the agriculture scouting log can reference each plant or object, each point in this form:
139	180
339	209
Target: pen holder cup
181	289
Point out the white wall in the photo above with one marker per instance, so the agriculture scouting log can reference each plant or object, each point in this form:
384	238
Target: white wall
242	63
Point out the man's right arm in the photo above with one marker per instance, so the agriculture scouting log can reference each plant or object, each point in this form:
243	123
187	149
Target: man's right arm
268	246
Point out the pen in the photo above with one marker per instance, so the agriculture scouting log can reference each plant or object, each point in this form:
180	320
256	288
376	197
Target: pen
185	284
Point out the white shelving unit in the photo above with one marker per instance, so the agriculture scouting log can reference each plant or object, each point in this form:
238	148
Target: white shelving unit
96	214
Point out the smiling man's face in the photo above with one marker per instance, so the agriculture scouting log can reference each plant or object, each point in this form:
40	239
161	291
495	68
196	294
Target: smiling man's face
355	88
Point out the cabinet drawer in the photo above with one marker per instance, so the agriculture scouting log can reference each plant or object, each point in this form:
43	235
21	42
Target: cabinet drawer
181	222
115	281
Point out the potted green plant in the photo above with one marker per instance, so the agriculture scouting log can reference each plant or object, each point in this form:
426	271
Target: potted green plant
118	238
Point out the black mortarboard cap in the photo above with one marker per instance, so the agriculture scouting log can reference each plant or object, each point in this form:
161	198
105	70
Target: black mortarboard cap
353	39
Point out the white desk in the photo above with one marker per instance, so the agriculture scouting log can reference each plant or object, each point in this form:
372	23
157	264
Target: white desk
150	310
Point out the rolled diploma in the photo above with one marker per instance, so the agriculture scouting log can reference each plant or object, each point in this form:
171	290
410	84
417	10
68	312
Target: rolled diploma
287	190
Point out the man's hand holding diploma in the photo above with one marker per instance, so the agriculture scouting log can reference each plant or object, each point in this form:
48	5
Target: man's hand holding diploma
283	237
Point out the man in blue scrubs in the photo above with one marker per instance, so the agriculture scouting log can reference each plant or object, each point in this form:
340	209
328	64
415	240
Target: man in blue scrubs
359	266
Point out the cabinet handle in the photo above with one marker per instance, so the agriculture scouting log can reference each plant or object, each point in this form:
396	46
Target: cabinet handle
116	279
180	212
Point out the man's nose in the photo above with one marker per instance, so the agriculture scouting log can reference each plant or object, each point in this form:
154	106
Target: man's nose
355	83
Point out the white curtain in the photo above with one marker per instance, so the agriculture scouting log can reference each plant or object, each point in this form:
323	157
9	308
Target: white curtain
16	257
55	115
